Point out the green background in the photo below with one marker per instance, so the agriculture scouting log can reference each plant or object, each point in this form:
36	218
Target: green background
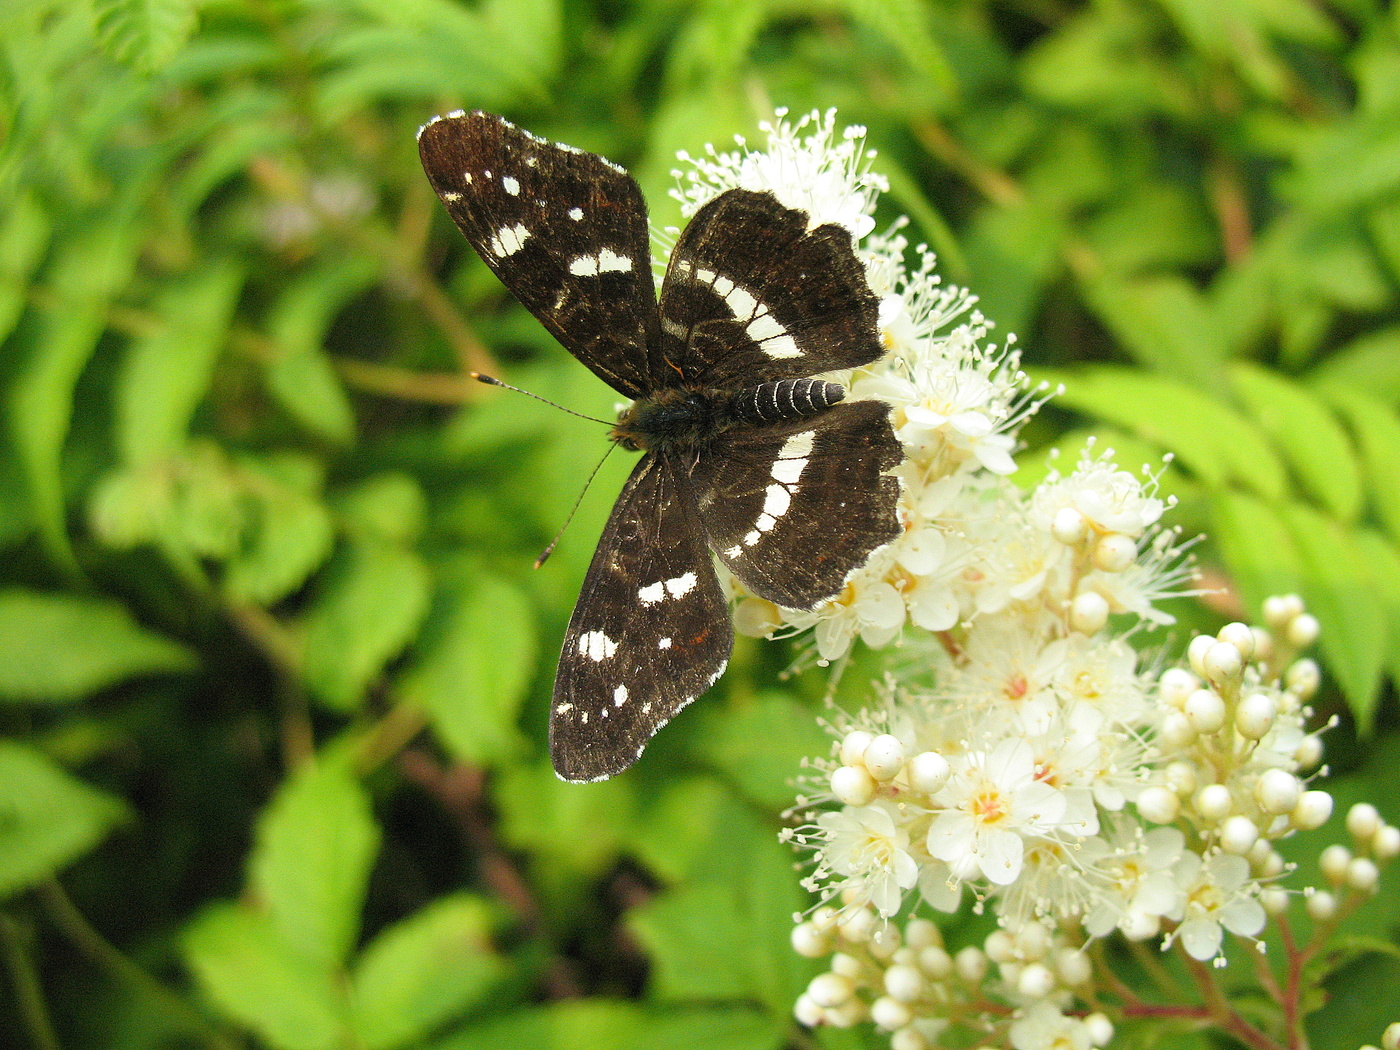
273	662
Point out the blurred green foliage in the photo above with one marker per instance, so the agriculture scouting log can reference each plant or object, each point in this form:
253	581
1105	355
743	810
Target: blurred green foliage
275	664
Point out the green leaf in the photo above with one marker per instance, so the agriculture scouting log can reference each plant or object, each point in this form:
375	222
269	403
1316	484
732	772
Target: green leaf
1211	440
1164	322
47	818
61	648
90	269
478	657
372	604
388	506
249	974
1309	435
315	845
292	534
167	371
301	377
1377	432
577	1024
760	745
1339	593
24	234
542	816
424	971
674	831
1382	561
1370	363
144	33
1258	547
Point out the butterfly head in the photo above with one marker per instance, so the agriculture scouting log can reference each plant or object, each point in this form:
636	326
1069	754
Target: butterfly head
676	419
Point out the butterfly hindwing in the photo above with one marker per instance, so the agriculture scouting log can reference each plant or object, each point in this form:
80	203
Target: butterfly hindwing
793	509
751	295
650	633
565	231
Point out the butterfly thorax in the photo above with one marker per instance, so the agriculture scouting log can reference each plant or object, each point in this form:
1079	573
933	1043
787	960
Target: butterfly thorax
685	418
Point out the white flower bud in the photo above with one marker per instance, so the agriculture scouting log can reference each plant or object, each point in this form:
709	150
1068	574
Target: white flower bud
1088	612
1238	834
1312	810
1196	652
1363	821
1222	663
847	965
849	1014
1073	967
1333	861
825	918
858	925
1205	710
1036	981
1255	715
1363	875
1385	844
1259	853
1302	678
853	786
1175	731
1281	608
830	990
1263	644
908	1039
807	1011
1069	526
1033	941
1114	552
1157	805
884	941
1175	685
1000	947
1277	791
1303	631
1100	1029
853	746
1274	900
936	962
884	757
1390	1038
889	1014
1214	802
971	964
1240	636
1309	752
920	934
905	983
1270	866
1181	777
1140	926
809	941
928	771
1321	906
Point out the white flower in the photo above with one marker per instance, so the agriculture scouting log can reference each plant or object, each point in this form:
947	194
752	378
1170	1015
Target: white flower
1112	500
991	801
1218	893
1137	886
870	850
1043	1027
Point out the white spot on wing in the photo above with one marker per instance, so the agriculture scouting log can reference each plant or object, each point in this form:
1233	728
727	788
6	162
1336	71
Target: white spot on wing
765	522
799	446
780	347
681	585
576	214
606	261
563	709
596	645
753	537
619	696
776	500
508	240
511	186
652	593
450	197
787	471
663	643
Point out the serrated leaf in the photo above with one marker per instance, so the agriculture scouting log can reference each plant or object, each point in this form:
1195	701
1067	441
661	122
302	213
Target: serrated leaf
1382	561
61	648
672	833
316	842
24	234
1257	545
47	818
1163	322
1377	431
423	971
249	974
1370	363
373	602
541	815
300	377
167	371
1340	594
1211	440
1311	438
476	662
144	33
92	266
292	534
760	745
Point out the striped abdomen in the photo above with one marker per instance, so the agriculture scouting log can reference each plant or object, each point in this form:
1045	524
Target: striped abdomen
786	399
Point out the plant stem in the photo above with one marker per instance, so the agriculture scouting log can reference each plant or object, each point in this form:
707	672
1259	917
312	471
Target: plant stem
29	992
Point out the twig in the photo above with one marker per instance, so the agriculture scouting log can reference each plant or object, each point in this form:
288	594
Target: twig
29	991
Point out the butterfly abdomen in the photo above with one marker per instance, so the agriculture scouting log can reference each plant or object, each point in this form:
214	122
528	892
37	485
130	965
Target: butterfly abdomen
785	400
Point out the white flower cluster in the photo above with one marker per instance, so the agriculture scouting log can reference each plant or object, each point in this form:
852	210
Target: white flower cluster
1022	755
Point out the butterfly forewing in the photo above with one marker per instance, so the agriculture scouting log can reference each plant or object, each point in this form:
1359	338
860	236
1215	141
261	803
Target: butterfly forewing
564	230
751	294
650	632
793	509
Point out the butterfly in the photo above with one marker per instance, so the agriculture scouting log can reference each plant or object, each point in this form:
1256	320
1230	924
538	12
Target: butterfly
748	456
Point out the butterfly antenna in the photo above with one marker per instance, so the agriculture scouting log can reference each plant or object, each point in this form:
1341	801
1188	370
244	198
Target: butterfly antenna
555	542
493	381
